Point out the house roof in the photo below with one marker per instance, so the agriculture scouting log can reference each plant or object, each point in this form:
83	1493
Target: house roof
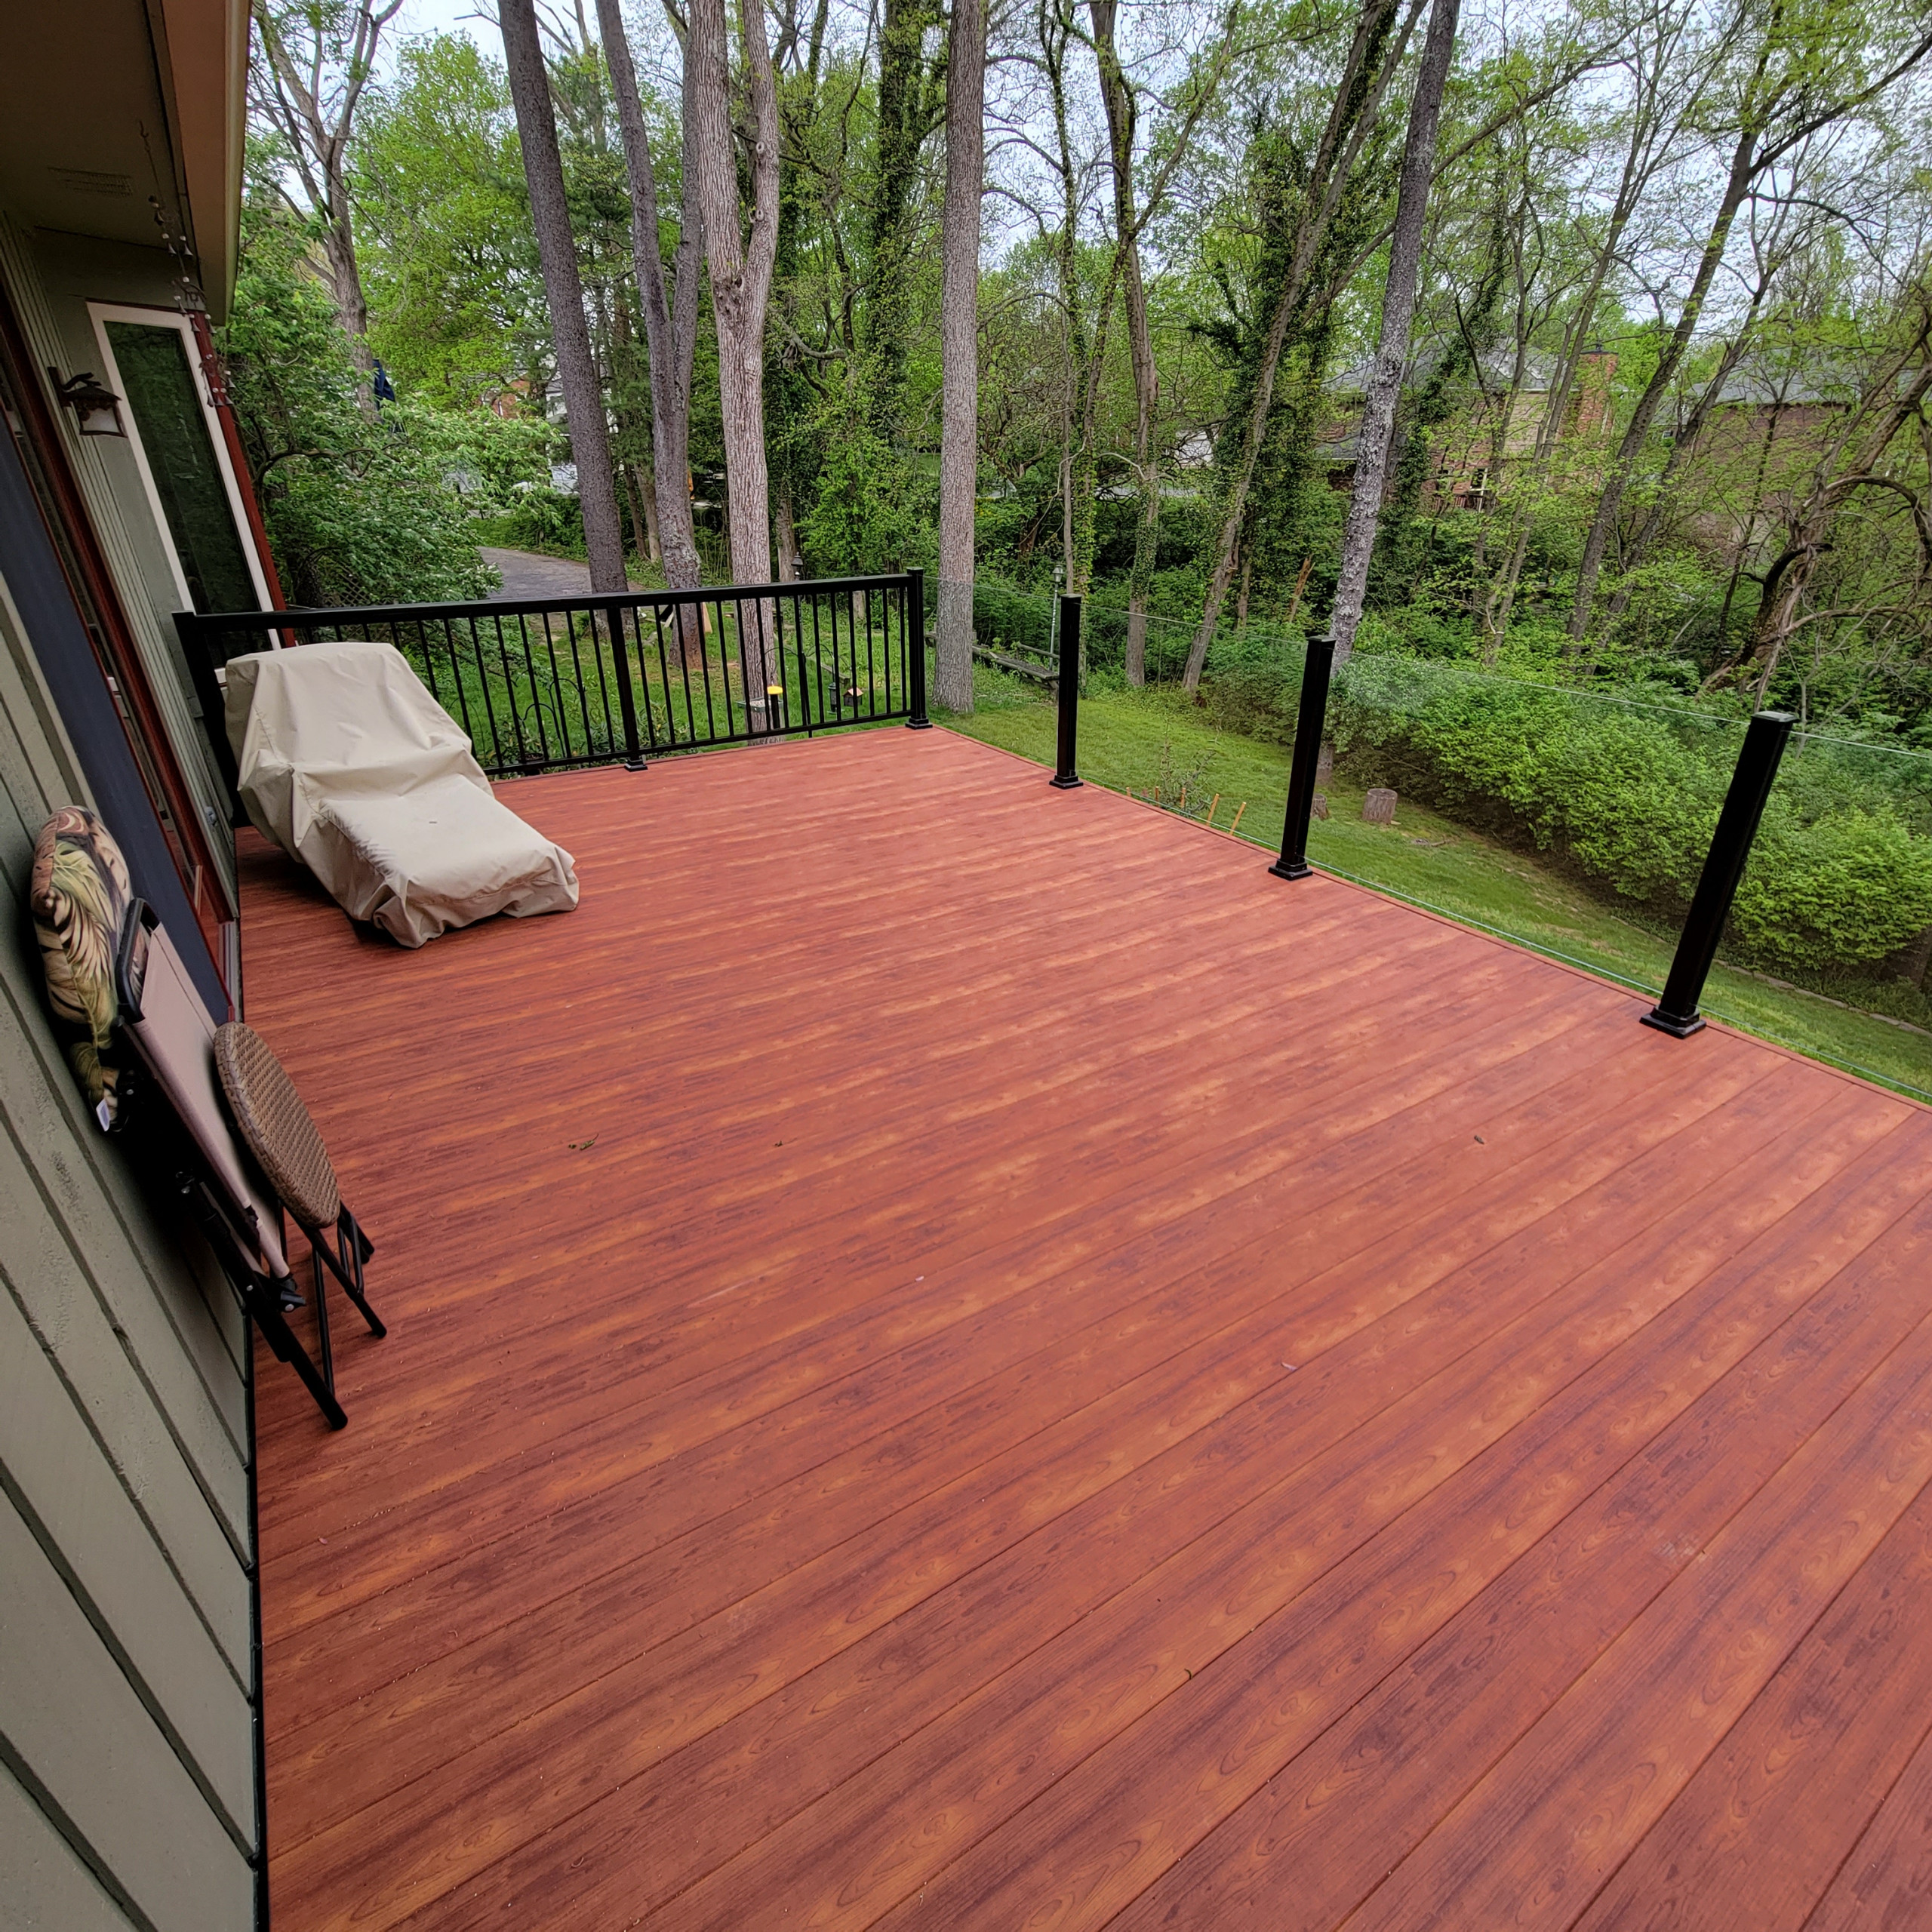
108	106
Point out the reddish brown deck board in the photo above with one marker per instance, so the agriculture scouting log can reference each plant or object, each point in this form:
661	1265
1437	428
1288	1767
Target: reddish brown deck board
867	1484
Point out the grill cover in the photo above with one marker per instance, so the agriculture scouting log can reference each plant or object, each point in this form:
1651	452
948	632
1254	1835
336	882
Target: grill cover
350	765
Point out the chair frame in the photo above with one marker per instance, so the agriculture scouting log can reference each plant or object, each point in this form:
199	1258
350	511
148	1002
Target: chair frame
343	1251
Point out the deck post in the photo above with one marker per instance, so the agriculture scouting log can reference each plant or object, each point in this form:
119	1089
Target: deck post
1309	722
627	700
1065	776
915	650
1765	738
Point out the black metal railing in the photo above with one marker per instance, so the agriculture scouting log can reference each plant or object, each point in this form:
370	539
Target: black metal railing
551	684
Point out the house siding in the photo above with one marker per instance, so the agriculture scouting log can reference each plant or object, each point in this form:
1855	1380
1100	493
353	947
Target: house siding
127	1751
50	279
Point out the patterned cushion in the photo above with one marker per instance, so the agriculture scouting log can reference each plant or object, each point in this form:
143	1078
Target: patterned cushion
79	897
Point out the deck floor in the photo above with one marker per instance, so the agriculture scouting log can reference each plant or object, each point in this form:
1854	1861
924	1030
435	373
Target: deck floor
961	1357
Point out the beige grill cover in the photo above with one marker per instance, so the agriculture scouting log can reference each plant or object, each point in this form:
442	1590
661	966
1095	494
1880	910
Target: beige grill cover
349	764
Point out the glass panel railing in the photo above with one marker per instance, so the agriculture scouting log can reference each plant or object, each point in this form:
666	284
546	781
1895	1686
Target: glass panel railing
1572	821
1829	949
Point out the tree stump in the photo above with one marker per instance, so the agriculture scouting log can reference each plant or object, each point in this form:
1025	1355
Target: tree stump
1379	806
1321	807
1324	766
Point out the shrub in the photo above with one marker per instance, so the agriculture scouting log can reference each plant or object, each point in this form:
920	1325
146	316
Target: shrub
359	509
1838	877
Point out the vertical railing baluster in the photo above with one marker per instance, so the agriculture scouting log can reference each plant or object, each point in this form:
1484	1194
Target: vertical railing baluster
620	670
576	673
872	658
495	761
818	660
704	669
509	695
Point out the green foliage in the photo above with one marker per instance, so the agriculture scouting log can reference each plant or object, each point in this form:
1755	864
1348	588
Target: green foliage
870	514
360	508
448	254
1847	887
1837	879
543	519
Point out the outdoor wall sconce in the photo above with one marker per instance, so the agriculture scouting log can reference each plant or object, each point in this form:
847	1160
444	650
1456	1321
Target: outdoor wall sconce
96	405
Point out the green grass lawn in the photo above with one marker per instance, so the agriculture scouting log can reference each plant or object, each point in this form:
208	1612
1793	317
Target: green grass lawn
1133	741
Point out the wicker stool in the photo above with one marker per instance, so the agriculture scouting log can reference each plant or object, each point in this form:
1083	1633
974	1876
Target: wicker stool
284	1139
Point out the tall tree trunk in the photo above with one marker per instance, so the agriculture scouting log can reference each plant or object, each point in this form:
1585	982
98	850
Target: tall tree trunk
740	288
352	306
1119	99
959	349
670	321
902	126
309	89
788	559
583	393
1399	308
1077	464
1364	80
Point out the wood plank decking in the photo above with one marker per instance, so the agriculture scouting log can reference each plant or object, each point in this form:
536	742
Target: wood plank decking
961	1357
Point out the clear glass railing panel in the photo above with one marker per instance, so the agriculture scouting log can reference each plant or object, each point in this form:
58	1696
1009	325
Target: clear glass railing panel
1829	945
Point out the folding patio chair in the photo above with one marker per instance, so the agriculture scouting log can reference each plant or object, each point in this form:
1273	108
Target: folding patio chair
141	1043
283	1140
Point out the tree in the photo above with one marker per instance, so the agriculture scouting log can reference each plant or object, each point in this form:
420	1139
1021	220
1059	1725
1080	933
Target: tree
1664	83
1398	302
740	289
1862	456
577	369
443	234
670	320
1800	66
358	511
315	60
1117	97
741	267
908	97
1366	73
959	333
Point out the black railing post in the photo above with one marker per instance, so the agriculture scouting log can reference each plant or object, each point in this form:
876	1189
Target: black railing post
1065	776
1309	721
915	650
1764	740
626	701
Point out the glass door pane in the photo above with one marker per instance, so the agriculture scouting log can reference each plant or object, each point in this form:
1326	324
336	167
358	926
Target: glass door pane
166	404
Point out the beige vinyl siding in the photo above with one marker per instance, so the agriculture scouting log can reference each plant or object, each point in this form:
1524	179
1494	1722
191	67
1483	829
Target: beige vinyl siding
127	1757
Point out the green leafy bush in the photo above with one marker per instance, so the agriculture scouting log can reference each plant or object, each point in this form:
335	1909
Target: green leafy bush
1838	878
360	507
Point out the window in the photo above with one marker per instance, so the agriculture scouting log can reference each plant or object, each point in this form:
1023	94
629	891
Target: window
150	358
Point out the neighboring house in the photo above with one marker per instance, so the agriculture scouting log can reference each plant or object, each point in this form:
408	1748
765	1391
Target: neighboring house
129	1791
1468	472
